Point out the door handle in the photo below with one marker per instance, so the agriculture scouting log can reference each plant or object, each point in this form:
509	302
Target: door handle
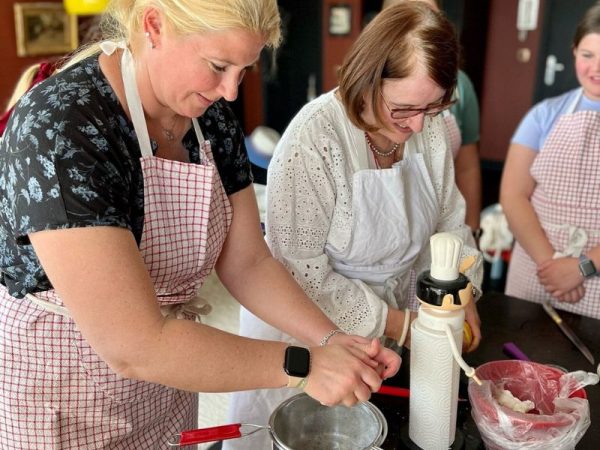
552	66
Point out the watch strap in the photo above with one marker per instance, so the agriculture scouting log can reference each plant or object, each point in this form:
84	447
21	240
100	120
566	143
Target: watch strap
297	382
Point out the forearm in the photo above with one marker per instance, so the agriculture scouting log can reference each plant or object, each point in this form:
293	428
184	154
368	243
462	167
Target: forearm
526	228
269	291
594	255
395	323
193	357
516	189
468	180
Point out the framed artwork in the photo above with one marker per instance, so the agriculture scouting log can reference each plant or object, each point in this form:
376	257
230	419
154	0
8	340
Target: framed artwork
340	20
44	29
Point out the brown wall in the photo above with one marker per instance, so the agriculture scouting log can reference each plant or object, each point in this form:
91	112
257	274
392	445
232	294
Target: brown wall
508	84
12	65
335	47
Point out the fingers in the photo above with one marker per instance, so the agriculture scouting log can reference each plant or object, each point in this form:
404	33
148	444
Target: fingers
475	327
572	296
389	362
343	374
474	322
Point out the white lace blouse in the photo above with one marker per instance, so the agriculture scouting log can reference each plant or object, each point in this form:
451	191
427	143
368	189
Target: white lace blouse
309	194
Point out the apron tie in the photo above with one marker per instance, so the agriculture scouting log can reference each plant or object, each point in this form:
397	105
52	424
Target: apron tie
575	242
388	291
109	47
48	306
196	308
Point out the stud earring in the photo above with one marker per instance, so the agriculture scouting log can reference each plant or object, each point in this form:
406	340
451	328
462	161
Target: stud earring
150	40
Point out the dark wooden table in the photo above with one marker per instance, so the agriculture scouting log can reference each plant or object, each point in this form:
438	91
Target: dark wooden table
506	319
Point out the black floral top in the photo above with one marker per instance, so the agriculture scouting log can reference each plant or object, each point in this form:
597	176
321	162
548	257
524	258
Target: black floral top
70	158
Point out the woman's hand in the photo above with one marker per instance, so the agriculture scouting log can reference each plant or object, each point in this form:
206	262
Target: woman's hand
560	277
573	295
472	318
386	361
348	371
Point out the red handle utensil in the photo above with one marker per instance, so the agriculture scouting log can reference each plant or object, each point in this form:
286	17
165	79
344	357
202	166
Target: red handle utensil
220	433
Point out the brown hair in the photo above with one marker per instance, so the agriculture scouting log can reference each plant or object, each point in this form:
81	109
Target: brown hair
394	43
590	23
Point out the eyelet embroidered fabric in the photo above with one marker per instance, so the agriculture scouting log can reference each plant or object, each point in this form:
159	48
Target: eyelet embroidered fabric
310	210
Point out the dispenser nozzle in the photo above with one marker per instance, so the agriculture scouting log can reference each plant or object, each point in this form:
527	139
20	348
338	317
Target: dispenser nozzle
446	249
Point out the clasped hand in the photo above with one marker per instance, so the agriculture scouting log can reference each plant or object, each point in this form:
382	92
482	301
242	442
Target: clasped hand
561	278
348	369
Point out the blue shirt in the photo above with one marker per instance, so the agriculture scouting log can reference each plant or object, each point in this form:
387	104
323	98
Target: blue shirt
539	121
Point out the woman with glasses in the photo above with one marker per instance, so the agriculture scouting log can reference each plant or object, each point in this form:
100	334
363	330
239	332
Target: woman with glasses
360	180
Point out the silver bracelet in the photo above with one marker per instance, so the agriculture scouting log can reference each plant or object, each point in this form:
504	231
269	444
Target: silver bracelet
328	336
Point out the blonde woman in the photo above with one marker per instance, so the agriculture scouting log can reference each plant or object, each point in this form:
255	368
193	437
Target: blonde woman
124	183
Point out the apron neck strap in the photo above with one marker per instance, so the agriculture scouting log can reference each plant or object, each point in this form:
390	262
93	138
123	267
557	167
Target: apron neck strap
573	106
134	101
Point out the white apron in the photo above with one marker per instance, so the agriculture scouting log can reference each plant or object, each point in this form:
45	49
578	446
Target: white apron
394	212
566	200
57	392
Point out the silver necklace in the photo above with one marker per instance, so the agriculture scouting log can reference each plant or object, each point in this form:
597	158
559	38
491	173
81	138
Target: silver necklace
375	150
168	132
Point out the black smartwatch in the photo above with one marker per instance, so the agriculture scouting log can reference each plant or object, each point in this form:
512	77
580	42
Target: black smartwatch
297	365
587	267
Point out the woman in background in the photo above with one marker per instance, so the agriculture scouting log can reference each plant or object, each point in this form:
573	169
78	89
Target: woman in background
550	190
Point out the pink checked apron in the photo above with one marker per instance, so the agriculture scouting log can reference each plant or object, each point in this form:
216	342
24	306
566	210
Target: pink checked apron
567	202
57	393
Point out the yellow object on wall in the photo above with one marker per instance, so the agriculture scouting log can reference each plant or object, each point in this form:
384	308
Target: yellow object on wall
85	7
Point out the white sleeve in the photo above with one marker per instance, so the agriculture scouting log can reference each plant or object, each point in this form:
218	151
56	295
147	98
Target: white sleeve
308	192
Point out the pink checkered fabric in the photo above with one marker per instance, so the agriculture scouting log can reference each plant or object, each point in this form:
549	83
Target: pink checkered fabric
453	132
567	193
57	393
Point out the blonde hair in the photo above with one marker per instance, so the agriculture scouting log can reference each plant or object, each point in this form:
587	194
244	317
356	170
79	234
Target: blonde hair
122	19
23	84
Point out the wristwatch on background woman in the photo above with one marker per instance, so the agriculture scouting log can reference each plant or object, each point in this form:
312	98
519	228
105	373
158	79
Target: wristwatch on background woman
587	267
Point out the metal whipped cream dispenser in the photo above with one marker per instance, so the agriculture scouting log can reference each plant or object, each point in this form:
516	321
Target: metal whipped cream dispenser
436	343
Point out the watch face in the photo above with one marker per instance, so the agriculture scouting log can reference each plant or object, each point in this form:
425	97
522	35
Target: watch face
587	268
297	361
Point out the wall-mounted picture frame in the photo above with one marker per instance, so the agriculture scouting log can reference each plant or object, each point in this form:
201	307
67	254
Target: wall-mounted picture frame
340	20
44	29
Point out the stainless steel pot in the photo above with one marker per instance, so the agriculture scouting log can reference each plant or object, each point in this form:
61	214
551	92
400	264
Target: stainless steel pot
302	423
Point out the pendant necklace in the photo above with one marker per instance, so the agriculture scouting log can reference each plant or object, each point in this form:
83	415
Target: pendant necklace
168	132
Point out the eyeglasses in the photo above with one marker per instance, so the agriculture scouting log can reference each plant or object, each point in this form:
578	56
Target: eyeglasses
407	113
